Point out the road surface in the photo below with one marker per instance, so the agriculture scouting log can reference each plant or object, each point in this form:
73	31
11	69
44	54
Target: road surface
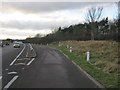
50	69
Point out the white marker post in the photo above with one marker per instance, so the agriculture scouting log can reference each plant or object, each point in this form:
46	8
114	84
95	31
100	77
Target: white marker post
70	49
59	44
67	46
88	56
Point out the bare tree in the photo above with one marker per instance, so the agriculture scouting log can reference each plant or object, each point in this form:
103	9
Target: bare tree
93	15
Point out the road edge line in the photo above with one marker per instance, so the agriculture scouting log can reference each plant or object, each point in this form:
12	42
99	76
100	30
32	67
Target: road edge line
88	75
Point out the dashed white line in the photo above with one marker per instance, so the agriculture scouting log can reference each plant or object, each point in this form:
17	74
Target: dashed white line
19	64
17	56
10	83
12	73
31	61
23	59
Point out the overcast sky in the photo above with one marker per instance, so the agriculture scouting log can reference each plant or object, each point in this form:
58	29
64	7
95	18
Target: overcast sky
19	20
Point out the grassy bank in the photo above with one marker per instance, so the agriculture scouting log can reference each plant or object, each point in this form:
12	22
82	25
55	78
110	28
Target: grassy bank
104	59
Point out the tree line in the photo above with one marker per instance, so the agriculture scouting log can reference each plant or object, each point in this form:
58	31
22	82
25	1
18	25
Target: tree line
92	29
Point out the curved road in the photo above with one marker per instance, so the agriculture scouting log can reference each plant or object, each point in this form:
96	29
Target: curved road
50	69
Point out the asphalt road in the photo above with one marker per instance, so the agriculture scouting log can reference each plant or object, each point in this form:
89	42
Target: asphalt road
50	69
8	55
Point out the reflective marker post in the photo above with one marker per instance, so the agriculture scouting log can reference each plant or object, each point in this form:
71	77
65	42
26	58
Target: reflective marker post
88	56
70	49
67	46
59	44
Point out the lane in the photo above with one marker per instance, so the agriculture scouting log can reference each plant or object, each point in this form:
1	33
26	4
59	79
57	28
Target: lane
9	53
51	69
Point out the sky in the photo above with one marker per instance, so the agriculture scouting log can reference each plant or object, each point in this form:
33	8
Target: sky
19	20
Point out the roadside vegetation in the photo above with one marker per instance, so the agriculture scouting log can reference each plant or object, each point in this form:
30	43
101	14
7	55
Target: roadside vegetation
104	65
94	28
98	35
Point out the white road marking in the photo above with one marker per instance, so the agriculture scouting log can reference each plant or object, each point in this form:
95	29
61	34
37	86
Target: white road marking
0	77
90	77
19	64
31	61
10	83
17	56
6	69
23	59
64	54
74	63
12	73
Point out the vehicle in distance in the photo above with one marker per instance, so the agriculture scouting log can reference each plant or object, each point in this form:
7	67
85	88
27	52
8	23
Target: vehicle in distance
19	42
7	44
16	45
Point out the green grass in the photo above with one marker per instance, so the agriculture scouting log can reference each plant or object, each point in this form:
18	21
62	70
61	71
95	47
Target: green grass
109	80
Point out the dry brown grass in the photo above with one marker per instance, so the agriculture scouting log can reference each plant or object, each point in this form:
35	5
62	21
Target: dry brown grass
104	54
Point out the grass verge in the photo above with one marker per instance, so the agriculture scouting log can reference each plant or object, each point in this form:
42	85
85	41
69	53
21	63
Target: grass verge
109	80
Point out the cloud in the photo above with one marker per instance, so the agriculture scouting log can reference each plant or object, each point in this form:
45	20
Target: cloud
40	21
33	7
16	33
37	25
30	18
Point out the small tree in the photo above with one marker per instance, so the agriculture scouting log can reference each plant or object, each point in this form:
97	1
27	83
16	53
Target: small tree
38	36
93	15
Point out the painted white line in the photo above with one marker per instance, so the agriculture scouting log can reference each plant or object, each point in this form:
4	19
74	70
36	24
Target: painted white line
23	59
19	64
10	83
17	56
74	63
31	61
0	77
64	54
90	77
10	73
